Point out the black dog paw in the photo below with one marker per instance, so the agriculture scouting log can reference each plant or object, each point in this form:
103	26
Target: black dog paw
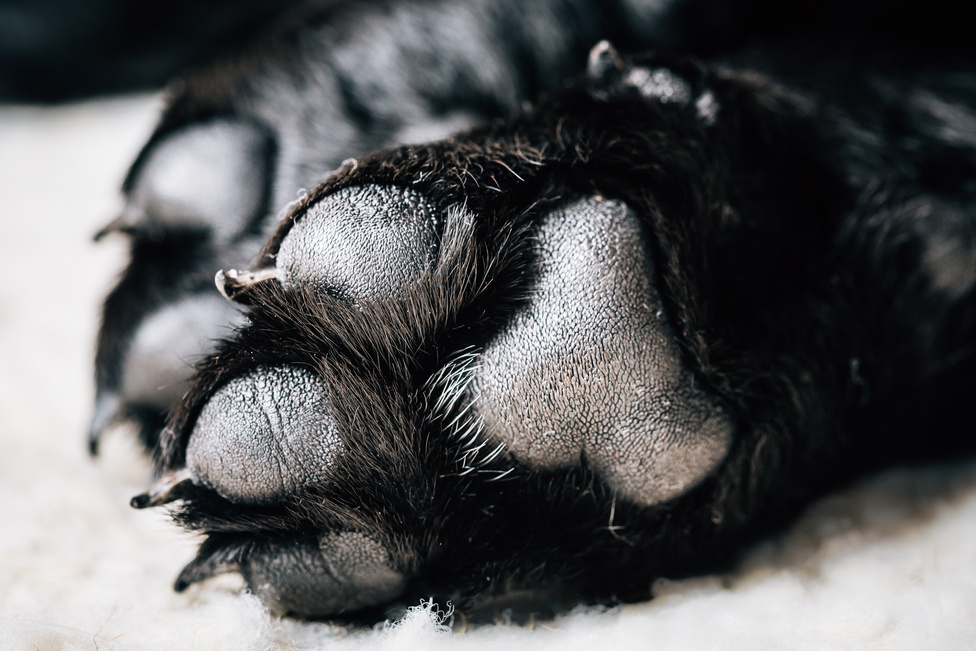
559	355
461	375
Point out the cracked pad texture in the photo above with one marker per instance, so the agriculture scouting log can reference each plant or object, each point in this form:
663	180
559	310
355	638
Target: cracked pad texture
361	243
590	367
264	436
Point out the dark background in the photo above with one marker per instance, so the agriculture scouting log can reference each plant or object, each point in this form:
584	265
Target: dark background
58	50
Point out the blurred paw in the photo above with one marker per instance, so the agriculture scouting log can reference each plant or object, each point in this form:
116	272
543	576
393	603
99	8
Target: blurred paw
194	200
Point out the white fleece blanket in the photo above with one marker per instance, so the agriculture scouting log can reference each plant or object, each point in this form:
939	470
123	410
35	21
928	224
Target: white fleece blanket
887	564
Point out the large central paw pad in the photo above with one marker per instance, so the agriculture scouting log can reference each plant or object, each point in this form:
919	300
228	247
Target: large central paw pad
589	367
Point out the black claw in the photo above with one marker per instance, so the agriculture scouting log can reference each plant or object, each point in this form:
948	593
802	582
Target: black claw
181	585
216	556
107	410
166	489
140	501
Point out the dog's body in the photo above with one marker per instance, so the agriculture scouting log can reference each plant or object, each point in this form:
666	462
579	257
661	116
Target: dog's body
621	332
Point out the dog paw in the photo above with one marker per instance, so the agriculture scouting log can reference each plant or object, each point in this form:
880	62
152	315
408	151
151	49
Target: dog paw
457	377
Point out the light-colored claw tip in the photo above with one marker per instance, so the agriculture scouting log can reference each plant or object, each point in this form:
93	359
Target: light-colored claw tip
221	280
126	222
164	490
232	283
603	59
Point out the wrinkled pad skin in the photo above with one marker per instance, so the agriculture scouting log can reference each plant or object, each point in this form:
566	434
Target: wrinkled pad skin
589	366
365	243
264	436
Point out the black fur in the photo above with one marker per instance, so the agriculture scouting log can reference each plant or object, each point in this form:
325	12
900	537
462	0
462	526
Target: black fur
793	269
813	231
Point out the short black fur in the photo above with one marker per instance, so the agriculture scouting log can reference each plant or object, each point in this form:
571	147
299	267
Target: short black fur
795	268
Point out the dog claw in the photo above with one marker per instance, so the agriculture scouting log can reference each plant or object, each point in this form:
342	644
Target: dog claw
126	222
233	283
166	489
210	561
107	409
603	60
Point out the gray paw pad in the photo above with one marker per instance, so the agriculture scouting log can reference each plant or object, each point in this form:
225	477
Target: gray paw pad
264	436
207	176
590	367
362	243
347	571
169	342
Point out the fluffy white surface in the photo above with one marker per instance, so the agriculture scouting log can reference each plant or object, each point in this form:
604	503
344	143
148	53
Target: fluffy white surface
888	564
